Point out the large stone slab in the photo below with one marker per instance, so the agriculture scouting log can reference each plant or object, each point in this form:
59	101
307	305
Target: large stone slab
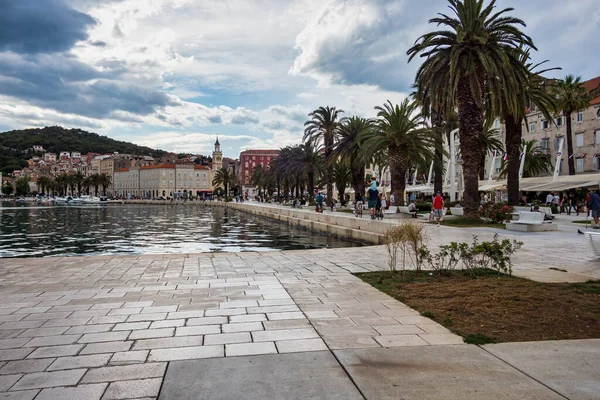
453	372
570	367
314	375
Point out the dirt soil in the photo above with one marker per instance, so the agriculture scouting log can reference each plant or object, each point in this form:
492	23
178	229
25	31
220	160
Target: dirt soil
502	308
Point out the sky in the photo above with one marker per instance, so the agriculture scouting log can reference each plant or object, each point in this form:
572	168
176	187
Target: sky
174	74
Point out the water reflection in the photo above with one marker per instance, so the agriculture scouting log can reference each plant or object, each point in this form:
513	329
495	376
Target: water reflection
30	231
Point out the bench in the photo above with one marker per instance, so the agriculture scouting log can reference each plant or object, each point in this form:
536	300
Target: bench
404	210
530	221
392	210
548	211
457	211
521	208
594	241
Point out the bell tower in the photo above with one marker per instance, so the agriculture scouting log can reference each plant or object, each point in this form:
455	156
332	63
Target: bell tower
217	156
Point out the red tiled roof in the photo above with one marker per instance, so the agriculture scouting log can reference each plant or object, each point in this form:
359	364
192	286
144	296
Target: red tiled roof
593	86
157	166
123	170
200	167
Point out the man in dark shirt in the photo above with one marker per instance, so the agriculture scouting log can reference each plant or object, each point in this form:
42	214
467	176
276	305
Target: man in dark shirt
373	195
594	206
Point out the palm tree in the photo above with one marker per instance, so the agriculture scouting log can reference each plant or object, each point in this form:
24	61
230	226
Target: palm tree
571	96
349	148
224	177
71	183
257	178
537	161
466	66
310	163
342	176
61	182
105	182
401	138
44	183
489	141
95	180
322	127
79	177
86	183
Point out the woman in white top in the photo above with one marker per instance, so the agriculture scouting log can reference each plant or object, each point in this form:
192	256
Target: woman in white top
383	202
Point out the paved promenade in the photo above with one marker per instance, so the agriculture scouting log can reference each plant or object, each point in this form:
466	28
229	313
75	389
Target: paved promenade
273	325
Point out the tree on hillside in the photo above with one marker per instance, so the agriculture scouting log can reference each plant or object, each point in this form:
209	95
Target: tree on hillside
22	186
7	189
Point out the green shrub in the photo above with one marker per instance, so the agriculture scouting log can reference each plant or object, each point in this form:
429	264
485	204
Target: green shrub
497	212
423	206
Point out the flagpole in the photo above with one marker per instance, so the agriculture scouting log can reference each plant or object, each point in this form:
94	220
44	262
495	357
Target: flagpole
430	173
558	159
453	165
492	165
522	165
415	177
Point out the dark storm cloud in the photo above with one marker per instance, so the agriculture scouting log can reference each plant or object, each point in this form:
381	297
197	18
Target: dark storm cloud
67	85
41	26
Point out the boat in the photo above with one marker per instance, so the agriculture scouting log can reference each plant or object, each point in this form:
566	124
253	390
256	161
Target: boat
76	200
61	200
90	200
20	200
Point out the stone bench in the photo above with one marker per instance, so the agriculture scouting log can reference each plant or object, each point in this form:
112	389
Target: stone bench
391	210
531	222
457	211
594	241
404	210
547	211
521	208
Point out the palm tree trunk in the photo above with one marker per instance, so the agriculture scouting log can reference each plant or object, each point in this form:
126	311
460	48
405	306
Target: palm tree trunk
513	149
571	160
470	123
311	183
358	180
438	162
329	169
398	165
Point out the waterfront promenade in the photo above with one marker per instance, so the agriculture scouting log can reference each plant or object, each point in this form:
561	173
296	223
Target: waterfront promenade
271	325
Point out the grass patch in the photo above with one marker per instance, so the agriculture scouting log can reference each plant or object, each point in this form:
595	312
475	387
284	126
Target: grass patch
485	307
583	221
470	223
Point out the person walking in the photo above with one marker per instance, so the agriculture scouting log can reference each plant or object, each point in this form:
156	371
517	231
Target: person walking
383	202
319	203
373	195
549	199
438	207
594	206
392	199
572	204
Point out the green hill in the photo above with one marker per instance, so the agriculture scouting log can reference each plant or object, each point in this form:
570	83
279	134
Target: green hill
15	145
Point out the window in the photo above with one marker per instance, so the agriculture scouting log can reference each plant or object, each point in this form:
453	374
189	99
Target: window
545	124
559	121
579	139
557	142
544	144
580	116
497	124
532	127
598	136
579	166
598	113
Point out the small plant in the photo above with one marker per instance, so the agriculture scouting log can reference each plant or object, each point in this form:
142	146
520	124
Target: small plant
479	339
394	238
428	314
407	238
445	260
497	212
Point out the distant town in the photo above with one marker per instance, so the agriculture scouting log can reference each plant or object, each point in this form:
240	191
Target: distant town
134	176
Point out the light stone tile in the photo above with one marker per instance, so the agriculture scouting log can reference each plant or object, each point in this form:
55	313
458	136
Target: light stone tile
106	347
249	349
206	321
147	317
225	312
52	340
197	330
104	337
34	332
273	309
14	343
6	381
181	341
129	357
152	333
284	334
441	338
21	325
347	331
20	395
297	346
130	326
25	366
185	314
416	320
433	328
247	318
227	338
160	309
374	321
88	361
112	319
125	372
40	380
186	353
243	327
286	324
350	342
56	351
81	392
285	315
139	388
82	329
107	306
400	340
125	311
398	329
321	314
169	323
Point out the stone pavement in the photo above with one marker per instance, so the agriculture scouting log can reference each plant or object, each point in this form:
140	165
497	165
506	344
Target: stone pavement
111	327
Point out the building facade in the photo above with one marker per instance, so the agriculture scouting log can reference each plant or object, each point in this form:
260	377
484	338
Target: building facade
250	159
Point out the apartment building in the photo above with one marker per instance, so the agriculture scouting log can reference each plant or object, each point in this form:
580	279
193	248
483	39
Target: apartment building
249	159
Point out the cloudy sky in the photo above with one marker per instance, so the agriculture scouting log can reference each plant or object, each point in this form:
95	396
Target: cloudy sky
172	74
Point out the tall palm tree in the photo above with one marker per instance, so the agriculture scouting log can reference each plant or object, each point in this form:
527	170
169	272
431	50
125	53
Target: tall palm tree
224	177
44	183
86	183
466	64
400	138
537	161
96	181
61	182
79	177
105	182
257	178
310	163
571	96
349	148
71	183
322	127
342	176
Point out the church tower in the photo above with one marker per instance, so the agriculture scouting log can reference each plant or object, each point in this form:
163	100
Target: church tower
217	156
